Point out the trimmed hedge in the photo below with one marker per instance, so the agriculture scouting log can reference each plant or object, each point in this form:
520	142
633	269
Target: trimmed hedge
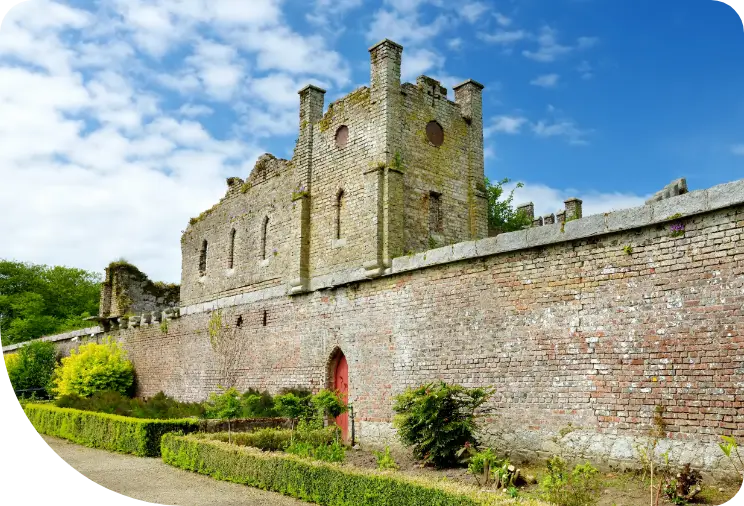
275	439
318	482
138	436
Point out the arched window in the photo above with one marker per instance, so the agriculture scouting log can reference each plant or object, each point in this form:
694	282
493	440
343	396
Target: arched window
203	259
264	233
339	208
231	253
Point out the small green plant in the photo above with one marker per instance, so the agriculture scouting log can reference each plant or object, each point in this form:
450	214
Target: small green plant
438	419
333	452
578	487
513	492
481	466
292	406
164	326
628	249
432	243
731	450
385	461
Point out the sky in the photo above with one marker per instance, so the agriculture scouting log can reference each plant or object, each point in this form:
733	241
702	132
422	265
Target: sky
121	119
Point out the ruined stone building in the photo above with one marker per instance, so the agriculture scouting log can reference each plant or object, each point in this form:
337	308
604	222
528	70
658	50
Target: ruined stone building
368	252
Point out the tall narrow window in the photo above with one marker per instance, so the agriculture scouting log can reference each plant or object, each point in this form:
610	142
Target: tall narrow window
231	253
203	259
435	213
339	208
264	233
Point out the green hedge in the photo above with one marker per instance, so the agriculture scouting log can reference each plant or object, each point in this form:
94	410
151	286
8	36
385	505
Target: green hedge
138	436
317	482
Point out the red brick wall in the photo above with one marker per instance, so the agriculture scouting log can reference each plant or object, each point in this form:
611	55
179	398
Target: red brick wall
576	332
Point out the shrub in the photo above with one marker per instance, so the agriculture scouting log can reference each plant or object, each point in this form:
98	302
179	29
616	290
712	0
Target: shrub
101	430
159	406
328	404
580	487
684	487
386	461
277	439
258	404
333	452
32	367
95	368
437	420
319	482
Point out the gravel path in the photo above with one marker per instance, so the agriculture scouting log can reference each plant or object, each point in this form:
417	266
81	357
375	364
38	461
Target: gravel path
151	480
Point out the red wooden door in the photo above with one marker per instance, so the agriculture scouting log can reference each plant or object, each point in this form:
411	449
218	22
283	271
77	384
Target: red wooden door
341	384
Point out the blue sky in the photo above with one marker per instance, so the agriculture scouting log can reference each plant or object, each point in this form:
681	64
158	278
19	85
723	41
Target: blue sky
122	118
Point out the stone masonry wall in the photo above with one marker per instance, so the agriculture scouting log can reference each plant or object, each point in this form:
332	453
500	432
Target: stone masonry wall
582	338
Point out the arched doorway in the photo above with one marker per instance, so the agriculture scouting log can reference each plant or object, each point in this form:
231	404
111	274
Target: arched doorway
341	384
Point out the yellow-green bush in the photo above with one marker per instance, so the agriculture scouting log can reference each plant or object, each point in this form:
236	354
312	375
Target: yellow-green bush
318	482
11	362
138	436
94	368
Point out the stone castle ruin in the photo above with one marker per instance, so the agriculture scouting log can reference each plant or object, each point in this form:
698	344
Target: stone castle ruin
372	246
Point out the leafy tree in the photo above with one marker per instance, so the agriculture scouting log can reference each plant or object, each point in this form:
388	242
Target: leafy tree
94	368
32	366
501	215
225	406
438	420
38	300
292	406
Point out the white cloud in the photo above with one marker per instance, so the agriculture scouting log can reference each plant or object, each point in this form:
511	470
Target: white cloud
549	49
567	129
549	200
546	81
505	124
585	69
454	44
738	149
503	36
404	26
417	62
194	110
472	11
502	20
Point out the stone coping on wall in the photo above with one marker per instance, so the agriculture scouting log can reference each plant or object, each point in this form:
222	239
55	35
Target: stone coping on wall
90	331
682	206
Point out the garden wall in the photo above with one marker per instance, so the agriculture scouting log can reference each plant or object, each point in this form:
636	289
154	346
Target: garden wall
583	329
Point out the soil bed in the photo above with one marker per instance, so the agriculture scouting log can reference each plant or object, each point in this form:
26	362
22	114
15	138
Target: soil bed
619	489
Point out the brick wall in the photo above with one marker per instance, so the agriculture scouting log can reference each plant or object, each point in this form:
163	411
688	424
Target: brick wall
579	332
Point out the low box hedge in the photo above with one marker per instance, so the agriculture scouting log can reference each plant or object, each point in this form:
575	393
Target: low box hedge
318	482
138	436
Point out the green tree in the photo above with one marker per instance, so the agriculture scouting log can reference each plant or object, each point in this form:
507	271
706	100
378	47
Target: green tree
225	406
38	300
32	366
502	217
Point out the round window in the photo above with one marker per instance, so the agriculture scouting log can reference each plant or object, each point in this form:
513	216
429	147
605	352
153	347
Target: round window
342	136
435	133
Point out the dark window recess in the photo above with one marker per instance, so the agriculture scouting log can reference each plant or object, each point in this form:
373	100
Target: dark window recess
435	133
265	317
231	254
342	136
203	259
239	323
435	213
339	208
264	232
